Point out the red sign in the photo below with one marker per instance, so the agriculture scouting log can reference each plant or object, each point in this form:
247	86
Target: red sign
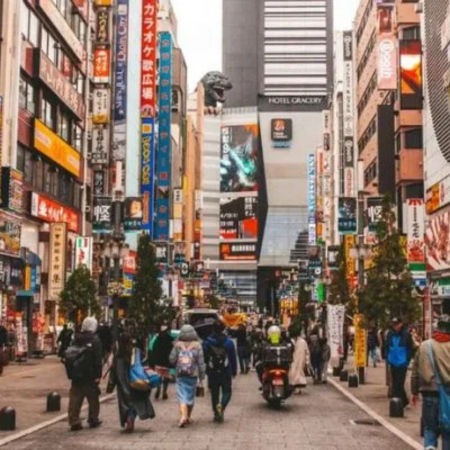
102	64
148	61
50	211
129	263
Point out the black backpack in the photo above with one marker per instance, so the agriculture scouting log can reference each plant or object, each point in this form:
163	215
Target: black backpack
78	361
218	359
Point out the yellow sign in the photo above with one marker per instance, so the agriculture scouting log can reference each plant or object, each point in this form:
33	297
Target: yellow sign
360	341
349	243
52	146
103	2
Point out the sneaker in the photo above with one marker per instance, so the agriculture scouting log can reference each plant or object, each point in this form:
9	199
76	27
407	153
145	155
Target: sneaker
77	427
95	424
219	409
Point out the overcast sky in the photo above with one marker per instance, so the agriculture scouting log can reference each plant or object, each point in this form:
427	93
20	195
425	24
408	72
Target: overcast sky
200	32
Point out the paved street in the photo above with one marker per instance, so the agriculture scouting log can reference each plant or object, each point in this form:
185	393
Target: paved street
319	419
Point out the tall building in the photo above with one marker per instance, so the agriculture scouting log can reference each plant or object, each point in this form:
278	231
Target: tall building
274	49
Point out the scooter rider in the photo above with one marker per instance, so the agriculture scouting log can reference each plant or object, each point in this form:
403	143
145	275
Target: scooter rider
273	339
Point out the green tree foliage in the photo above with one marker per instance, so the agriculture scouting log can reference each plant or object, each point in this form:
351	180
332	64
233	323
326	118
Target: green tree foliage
389	288
339	288
145	305
78	299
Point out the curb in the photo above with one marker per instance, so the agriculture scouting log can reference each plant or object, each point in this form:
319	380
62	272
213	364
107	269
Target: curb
46	424
385	423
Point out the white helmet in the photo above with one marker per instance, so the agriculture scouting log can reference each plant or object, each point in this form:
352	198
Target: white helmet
274	334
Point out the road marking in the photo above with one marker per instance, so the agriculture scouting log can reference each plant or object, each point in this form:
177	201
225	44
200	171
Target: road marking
42	425
369	411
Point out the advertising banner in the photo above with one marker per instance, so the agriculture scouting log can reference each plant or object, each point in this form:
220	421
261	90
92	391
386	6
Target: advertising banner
387	62
99	183
415	222
101	106
162	252
102	214
55	80
374	209
335	317
102	35
10	232
56	149
83	252
147	172
120	81
133	213
348	91
128	283
57	262
350	263
148	57
239	158
438	195
360	341
12	190
52	212
162	221
238	218
238	251
102	64
411	74
281	133
311	199
347	215
100	145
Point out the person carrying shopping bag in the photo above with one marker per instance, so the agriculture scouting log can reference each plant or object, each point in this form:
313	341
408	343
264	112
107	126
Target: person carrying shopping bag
187	357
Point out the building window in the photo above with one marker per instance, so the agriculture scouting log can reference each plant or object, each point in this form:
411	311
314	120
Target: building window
64	188
64	126
28	167
26	96
48	113
48	174
370	173
55	182
20	158
38	181
30	25
77	138
413	138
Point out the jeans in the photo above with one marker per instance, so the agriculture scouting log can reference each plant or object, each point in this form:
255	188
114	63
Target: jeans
217	384
244	359
398	383
430	417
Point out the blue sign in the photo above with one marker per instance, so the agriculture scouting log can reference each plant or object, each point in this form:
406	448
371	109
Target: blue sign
121	59
147	172
311	199
164	157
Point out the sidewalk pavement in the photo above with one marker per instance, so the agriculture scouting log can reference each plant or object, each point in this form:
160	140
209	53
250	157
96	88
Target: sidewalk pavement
25	386
374	394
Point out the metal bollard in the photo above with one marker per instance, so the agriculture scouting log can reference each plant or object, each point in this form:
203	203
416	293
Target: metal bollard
353	381
53	402
343	376
7	419
396	408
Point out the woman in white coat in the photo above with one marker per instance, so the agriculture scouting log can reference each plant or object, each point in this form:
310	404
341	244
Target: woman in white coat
297	372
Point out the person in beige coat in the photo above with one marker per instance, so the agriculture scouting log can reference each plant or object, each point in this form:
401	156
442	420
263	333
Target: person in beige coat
297	372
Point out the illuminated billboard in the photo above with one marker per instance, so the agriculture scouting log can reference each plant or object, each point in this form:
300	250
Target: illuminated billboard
238	218
411	74
239	158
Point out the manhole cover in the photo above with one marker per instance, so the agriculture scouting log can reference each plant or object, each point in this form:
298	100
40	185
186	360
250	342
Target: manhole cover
368	422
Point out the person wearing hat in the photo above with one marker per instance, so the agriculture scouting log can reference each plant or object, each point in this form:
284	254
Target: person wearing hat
435	351
399	345
86	385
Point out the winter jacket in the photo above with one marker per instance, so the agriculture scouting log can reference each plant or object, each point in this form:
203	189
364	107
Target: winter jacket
405	344
83	339
161	350
216	340
422	378
372	341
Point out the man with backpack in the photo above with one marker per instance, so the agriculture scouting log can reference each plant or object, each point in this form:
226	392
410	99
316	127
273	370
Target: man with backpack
83	362
431	377
399	345
221	368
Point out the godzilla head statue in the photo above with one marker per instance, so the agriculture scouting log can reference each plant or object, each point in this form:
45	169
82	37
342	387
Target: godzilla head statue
215	84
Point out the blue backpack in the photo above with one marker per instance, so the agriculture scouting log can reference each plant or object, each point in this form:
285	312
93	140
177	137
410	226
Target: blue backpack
444	397
397	354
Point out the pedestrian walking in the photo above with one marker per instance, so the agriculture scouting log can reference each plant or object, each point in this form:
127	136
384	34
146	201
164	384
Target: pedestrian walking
221	368
243	348
373	346
132	403
187	356
83	362
106	339
64	340
256	340
326	356
162	348
431	371
3	347
315	350
399	347
297	372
